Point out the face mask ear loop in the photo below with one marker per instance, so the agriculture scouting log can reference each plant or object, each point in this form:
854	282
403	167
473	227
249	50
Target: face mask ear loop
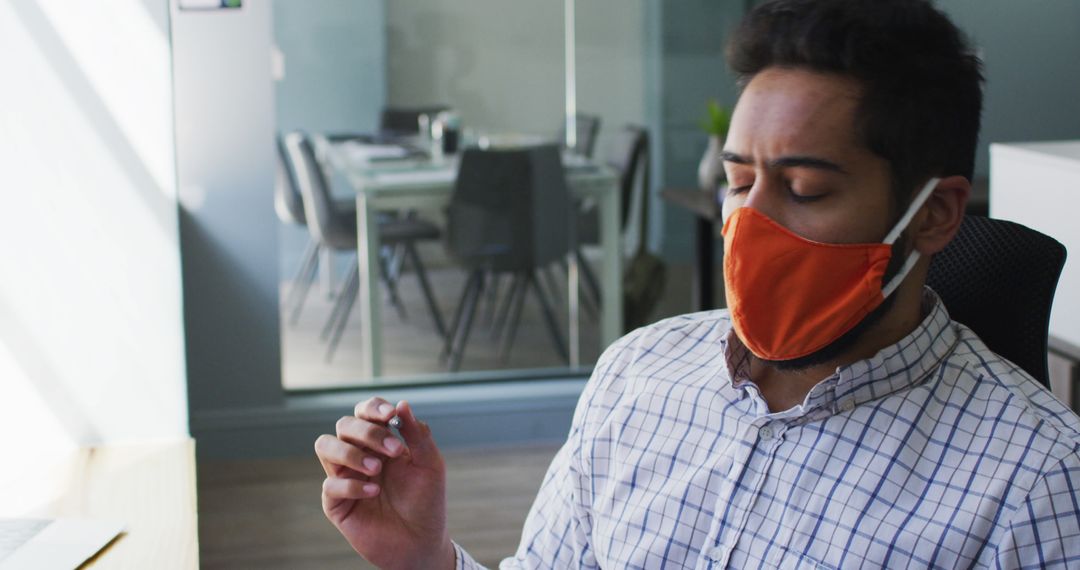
913	209
920	199
899	277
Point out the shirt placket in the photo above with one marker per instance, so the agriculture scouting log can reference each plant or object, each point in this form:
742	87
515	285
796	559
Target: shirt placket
746	472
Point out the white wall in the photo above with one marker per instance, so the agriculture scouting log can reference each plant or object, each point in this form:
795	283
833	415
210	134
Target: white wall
501	63
1038	185
90	319
334	54
611	60
1032	81
224	109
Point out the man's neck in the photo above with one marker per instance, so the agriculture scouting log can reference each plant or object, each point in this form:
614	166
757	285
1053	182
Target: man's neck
784	389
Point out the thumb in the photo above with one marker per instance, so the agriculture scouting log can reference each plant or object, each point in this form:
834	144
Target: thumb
417	436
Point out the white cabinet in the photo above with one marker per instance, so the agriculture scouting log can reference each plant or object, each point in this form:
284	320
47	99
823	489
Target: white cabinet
1038	185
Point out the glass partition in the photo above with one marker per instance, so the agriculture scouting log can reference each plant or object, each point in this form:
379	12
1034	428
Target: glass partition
377	103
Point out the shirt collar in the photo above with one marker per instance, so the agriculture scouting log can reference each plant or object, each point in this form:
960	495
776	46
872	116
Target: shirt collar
906	363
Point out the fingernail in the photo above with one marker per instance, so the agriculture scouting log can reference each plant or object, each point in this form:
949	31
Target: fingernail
392	444
371	463
385	409
371	488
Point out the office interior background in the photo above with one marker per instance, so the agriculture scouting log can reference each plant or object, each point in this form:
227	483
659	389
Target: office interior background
148	275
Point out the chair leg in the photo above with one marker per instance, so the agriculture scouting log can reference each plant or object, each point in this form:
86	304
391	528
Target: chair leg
552	285
498	324
455	323
301	283
386	273
492	298
549	317
335	313
462	337
520	287
589	304
589	278
349	293
425	286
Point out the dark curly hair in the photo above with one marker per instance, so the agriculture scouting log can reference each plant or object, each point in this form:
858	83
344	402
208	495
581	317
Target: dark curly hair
922	84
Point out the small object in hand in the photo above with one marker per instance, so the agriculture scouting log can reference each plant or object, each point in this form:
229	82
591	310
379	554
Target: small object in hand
395	422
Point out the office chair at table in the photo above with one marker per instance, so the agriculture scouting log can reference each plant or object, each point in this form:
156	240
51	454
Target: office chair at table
289	206
629	157
509	213
999	278
336	229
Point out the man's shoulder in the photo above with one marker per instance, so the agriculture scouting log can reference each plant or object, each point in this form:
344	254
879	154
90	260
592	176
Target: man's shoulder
669	339
1003	390
682	350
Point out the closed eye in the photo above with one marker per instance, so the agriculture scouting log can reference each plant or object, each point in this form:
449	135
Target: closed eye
732	190
803	199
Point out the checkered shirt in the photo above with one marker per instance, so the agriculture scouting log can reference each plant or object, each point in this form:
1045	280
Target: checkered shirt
935	453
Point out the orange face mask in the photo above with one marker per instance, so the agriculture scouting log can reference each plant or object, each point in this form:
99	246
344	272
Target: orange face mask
789	296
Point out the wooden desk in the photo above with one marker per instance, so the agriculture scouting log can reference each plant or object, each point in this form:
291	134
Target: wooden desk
149	487
706	209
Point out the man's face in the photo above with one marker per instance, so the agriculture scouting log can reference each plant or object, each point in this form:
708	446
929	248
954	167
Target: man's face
792	154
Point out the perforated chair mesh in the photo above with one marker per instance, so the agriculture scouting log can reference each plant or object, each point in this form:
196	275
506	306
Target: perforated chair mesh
999	278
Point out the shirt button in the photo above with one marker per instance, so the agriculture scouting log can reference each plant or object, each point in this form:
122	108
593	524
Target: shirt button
716	553
847	405
766	432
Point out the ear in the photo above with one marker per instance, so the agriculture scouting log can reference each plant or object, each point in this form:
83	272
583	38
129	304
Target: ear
934	227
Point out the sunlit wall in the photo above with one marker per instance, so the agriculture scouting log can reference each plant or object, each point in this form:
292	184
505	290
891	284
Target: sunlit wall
91	345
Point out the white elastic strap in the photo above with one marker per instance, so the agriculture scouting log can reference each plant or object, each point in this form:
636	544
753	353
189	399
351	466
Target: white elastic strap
917	203
899	277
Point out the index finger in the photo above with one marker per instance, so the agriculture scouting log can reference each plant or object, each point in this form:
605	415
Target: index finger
374	410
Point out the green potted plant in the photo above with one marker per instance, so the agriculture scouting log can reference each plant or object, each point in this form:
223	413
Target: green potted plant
715	124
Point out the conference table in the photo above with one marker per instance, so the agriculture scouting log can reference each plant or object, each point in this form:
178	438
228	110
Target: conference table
425	183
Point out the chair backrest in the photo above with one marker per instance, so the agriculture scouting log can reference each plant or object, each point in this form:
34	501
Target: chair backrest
588	127
510	209
629	156
999	278
288	203
405	120
326	225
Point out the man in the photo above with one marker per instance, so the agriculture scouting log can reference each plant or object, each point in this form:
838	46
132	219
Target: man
835	417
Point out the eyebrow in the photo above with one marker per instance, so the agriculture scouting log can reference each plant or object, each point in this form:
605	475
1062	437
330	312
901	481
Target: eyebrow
787	162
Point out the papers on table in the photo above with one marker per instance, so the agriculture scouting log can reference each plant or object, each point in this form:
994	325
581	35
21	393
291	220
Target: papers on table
416	177
357	152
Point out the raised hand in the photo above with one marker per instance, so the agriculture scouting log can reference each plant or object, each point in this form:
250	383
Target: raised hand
386	498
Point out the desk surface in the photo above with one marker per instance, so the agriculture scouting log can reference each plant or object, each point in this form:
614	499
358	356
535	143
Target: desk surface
149	487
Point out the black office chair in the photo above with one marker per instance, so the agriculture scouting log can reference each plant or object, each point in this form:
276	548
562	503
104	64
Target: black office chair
999	278
509	213
335	229
629	156
588	127
289	206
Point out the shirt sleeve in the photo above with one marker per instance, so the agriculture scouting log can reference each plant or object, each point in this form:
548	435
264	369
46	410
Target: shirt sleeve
1045	530
559	525
556	530
463	561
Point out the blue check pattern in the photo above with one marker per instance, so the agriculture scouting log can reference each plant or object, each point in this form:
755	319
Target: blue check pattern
935	453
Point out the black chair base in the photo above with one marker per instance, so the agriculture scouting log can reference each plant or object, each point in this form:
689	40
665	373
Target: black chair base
505	318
